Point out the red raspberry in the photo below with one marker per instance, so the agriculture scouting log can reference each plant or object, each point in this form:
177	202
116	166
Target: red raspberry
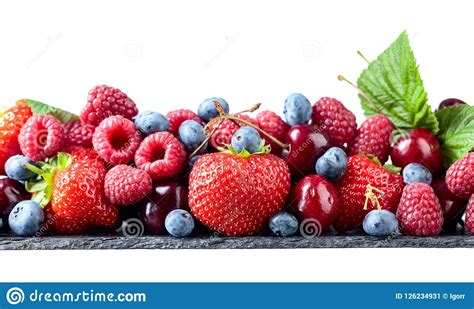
470	215
271	123
223	135
104	101
41	137
419	211
460	175
177	117
335	120
116	139
78	134
373	137
161	155
125	185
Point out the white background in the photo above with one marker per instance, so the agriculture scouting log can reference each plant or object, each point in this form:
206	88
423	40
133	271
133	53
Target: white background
174	54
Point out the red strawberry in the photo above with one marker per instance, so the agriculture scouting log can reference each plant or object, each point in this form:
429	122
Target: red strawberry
225	130
373	137
460	175
236	196
177	117
11	122
365	185
470	215
271	123
419	212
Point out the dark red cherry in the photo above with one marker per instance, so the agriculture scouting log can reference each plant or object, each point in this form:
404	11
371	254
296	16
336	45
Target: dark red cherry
165	197
418	146
314	197
306	145
450	102
453	206
11	193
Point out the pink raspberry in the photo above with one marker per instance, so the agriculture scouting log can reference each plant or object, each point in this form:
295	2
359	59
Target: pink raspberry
177	117
470	215
41	137
161	155
125	185
116	139
223	135
460	175
104	101
78	134
274	125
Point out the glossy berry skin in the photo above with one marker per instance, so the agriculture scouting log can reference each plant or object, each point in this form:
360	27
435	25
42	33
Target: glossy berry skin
332	164
449	102
207	110
453	206
418	146
373	137
314	197
415	172
470	216
179	223
15	168
274	125
125	185
224	131
460	176
11	193
335	120
177	117
297	109
380	223
307	144
283	224
149	122
246	138
191	135
419	212
237	196
352	188
26	218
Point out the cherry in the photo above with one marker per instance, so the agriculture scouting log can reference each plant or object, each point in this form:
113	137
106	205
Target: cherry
11	193
314	197
165	197
306	145
449	102
453	206
418	146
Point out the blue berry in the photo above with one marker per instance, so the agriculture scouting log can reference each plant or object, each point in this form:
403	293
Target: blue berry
332	164
26	218
297	109
15	169
207	110
283	224
1	223
246	138
380	223
415	172
179	223
192	135
149	122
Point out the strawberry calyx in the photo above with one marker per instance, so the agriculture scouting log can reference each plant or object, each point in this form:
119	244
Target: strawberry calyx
262	150
42	186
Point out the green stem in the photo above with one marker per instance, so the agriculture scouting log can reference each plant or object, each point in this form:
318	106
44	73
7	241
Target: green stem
34	169
363	57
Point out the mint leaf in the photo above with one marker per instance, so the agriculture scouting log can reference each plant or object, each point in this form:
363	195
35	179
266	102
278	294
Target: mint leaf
456	132
45	109
393	84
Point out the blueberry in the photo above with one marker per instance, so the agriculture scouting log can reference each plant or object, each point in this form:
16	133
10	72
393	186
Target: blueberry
190	163
26	218
283	224
297	109
380	223
332	164
149	122
246	138
192	135
1	223
415	172
15	169
207	110
179	223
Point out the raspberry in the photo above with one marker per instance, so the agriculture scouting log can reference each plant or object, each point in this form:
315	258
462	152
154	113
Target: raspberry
419	211
161	155
104	101
335	120
41	137
116	139
223	135
77	134
373	137
460	175
126	185
177	117
271	123
470	215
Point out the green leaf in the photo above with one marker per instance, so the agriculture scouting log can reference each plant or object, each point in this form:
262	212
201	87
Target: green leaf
456	132
32	186
44	109
393	84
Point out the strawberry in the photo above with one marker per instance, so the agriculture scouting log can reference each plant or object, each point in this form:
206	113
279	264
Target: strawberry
365	186
236	195
11	122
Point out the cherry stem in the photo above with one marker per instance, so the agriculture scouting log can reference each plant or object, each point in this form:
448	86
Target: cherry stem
363	57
